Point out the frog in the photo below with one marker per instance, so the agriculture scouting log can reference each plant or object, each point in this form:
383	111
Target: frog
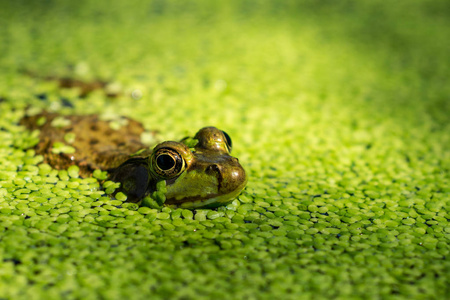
194	172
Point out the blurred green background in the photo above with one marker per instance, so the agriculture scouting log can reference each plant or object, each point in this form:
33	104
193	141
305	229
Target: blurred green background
339	110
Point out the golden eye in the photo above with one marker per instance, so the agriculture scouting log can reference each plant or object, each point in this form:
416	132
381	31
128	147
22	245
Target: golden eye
168	163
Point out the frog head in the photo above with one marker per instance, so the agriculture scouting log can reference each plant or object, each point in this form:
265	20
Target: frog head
199	171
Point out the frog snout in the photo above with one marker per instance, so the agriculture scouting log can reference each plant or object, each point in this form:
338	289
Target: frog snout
230	177
236	179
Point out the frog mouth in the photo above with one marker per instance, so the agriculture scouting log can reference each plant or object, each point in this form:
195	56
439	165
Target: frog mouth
212	201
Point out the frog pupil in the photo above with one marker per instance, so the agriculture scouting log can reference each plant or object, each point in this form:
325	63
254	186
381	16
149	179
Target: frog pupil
165	162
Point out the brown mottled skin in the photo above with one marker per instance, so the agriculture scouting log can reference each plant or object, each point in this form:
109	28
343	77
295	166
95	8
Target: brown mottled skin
97	145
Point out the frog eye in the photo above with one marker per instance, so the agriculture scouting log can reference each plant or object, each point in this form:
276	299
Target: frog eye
168	162
228	141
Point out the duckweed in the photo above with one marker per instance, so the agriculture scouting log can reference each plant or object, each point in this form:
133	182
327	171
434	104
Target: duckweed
340	120
62	148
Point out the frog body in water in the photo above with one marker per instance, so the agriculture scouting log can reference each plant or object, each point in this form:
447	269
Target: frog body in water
97	145
195	172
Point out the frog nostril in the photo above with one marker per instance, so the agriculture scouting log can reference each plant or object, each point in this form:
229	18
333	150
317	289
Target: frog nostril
213	169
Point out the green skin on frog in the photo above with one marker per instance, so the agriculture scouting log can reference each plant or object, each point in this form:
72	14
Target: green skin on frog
195	172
